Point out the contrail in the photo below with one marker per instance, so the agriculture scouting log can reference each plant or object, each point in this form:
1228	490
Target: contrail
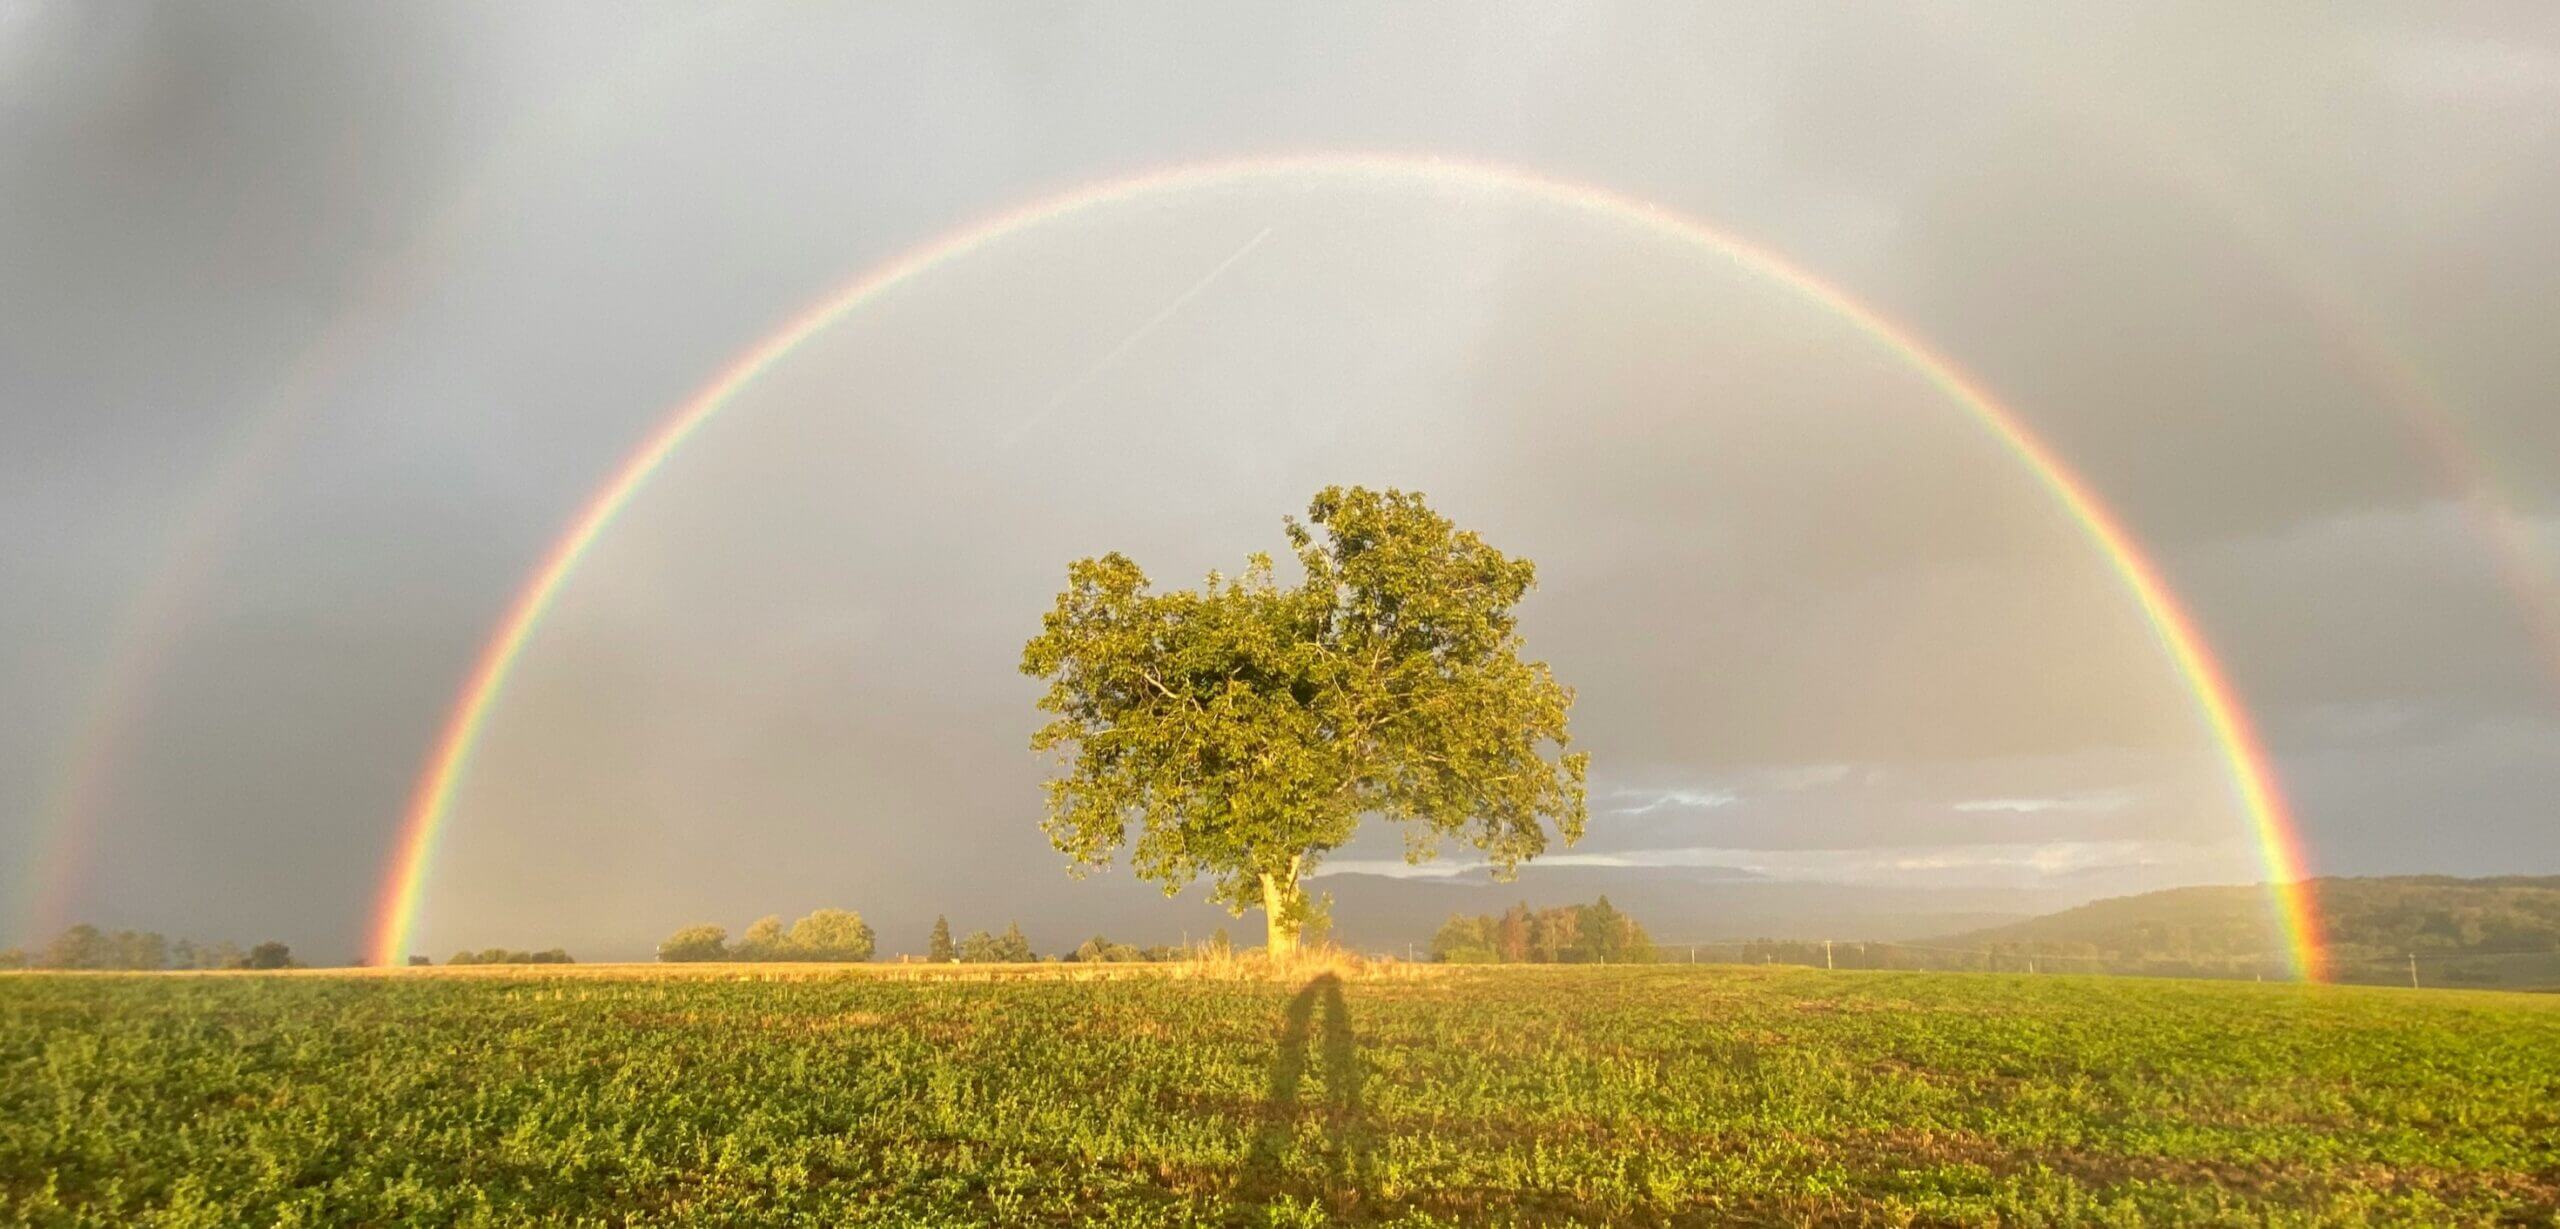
1112	355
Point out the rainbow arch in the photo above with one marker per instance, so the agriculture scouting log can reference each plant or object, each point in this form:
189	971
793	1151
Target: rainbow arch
2252	775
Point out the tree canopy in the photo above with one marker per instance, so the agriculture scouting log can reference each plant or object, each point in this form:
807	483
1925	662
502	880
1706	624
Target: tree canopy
1247	726
695	944
831	934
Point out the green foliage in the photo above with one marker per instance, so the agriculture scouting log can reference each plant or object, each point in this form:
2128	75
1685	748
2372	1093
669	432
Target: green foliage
1099	950
500	955
824	935
1465	940
1596	933
830	934
1247	726
940	949
693	944
1528	1096
1008	948
81	947
764	940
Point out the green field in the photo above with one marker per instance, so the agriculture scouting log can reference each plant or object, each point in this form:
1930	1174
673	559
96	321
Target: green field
1517	1095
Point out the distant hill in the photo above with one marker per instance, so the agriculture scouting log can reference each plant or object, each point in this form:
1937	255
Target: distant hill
2503	930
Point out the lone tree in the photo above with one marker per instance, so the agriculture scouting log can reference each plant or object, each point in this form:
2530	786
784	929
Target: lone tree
1247	727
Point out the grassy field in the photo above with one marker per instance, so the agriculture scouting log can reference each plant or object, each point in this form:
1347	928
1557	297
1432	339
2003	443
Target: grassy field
1530	1096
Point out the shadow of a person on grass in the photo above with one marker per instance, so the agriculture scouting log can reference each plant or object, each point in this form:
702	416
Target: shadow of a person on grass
1344	1145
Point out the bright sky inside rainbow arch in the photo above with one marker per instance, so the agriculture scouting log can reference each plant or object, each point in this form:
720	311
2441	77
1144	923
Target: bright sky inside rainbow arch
2251	779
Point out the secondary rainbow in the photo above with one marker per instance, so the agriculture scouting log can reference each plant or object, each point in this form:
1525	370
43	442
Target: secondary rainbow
2252	776
147	635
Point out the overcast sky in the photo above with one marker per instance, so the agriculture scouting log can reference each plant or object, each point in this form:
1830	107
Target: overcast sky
318	323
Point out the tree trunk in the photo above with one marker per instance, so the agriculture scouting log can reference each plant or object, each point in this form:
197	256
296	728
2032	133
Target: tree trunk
1282	915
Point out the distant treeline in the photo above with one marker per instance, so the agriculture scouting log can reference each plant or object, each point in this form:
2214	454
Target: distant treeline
842	935
2372	927
1011	947
500	955
87	947
1567	934
826	934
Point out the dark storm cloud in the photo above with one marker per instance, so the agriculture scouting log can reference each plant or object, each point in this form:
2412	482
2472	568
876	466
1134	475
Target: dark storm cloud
1819	626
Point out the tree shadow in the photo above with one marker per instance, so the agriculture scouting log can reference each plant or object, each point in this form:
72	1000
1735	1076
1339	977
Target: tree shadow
1345	1145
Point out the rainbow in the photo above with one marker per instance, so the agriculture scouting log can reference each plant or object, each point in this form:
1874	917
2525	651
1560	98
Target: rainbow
2252	775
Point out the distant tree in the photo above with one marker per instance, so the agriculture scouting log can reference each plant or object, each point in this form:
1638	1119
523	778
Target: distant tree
1600	937
1465	940
764	940
831	934
1511	934
270	955
1013	948
420	962
182	954
939	949
1248	727
81	947
13	958
1555	935
222	955
147	949
1099	950
695	943
1611	937
1316	930
1220	944
1008	948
